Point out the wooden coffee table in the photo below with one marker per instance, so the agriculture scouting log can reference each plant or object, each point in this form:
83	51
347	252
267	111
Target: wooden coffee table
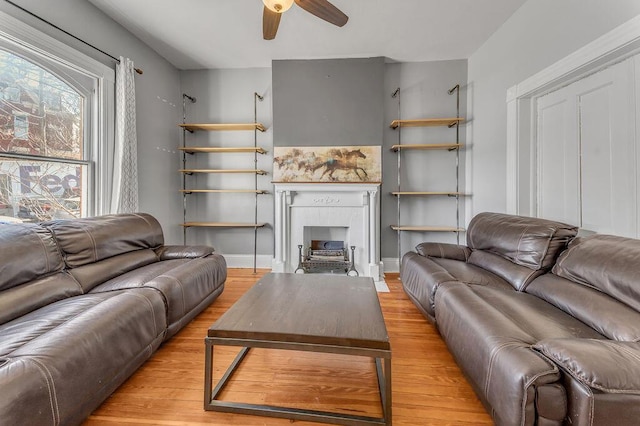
317	313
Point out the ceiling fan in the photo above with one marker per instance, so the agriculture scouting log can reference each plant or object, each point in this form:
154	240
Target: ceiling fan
273	10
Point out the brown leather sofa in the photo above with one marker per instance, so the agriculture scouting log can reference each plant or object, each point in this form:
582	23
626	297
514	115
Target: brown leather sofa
84	303
546	335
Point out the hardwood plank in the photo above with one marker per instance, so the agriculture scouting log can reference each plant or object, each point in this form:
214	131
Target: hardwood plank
428	387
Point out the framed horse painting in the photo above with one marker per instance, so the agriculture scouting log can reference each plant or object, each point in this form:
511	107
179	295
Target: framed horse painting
346	164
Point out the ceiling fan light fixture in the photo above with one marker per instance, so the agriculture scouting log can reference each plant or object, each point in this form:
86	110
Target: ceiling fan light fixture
278	6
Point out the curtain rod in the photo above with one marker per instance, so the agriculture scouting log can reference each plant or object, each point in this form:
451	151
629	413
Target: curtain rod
138	70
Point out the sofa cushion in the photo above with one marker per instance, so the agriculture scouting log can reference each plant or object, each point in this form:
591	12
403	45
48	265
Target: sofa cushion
90	240
471	274
530	242
490	332
607	263
27	297
28	252
422	276
596	309
63	360
183	252
184	283
516	275
93	274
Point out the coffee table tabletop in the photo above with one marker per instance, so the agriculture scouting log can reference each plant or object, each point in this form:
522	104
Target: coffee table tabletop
306	312
315	309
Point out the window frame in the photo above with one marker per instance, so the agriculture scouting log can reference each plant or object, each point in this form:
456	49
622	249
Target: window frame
101	118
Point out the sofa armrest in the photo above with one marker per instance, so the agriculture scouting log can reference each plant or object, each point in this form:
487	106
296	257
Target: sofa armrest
606	365
183	252
444	250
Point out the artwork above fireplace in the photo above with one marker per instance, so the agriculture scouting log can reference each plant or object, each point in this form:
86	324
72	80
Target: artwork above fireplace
362	164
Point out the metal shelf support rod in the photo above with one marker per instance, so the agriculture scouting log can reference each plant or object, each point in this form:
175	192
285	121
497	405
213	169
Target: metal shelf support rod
191	99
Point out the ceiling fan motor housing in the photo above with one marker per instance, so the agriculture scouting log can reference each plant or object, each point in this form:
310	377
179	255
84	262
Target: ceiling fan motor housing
278	6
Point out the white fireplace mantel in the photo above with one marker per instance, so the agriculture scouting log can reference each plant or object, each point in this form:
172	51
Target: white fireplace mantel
353	206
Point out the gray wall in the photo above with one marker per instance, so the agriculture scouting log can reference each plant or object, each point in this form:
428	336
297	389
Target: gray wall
423	94
540	33
158	98
227	96
348	102
328	102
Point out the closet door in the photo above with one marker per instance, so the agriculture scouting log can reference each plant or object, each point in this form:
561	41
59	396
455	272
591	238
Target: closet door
607	147
590	125
558	158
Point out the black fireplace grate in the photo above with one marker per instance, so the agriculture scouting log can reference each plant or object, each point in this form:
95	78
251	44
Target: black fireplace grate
326	256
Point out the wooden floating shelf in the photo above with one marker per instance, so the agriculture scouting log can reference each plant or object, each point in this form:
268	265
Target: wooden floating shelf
447	146
223	126
226	191
451	194
221	150
253	171
426	228
427	122
223	225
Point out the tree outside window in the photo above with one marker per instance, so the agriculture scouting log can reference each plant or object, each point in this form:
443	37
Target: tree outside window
43	170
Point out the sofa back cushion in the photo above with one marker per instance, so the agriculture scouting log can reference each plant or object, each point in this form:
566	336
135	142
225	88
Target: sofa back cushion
607	263
31	274
27	252
531	244
93	274
516	275
32	295
601	312
89	240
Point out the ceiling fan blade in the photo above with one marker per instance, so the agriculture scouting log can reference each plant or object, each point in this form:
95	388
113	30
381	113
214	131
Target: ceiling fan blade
270	22
324	10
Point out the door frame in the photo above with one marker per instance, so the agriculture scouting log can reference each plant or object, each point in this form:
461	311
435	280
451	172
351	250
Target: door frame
521	177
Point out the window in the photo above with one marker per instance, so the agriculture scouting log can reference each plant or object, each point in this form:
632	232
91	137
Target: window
54	149
48	117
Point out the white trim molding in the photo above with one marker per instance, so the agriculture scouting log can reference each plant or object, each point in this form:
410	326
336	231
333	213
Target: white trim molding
391	264
614	46
245	261
351	206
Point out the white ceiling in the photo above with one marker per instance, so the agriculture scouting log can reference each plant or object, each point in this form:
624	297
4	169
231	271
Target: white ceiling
195	34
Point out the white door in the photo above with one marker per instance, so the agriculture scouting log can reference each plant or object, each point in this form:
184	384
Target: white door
586	157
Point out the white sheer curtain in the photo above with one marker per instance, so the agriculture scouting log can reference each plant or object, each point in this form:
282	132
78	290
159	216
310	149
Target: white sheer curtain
125	163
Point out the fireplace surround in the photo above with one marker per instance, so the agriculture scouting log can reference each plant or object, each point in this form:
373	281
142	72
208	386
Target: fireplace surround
353	209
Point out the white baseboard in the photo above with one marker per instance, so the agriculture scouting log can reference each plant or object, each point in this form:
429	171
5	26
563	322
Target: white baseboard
391	264
263	261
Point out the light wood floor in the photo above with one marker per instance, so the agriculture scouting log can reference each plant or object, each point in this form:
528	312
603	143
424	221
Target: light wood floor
428	387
